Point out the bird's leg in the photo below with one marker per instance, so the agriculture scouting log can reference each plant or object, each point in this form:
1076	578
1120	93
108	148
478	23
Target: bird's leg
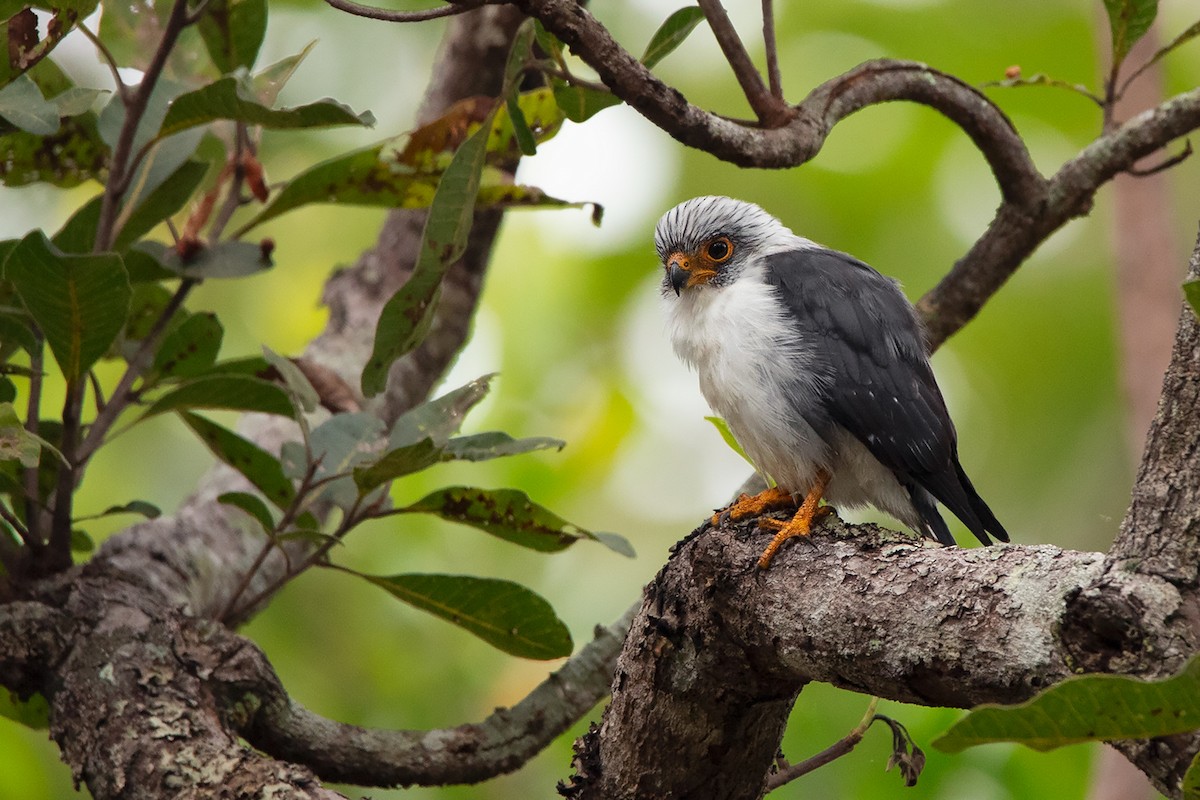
746	506
800	524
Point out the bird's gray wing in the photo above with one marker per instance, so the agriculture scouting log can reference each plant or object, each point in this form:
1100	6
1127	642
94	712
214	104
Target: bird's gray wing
879	385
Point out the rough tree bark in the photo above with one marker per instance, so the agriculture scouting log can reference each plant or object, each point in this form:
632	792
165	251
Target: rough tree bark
150	696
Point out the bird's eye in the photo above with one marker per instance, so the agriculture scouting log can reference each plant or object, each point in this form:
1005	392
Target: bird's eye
719	249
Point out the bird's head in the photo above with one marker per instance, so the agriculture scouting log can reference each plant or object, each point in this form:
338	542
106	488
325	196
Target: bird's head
710	241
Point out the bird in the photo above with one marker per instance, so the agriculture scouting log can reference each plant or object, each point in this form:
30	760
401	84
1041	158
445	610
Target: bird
817	363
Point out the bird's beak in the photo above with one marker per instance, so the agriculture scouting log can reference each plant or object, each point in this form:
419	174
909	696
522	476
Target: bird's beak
678	271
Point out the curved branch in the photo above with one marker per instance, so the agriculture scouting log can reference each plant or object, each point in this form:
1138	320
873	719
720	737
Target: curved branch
466	754
384	15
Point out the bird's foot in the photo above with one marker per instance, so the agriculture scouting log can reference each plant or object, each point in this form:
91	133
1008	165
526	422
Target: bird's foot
747	506
800	525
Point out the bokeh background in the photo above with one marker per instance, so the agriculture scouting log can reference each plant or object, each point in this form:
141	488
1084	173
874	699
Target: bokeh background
570	320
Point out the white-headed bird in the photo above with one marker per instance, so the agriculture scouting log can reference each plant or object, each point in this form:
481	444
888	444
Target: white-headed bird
817	363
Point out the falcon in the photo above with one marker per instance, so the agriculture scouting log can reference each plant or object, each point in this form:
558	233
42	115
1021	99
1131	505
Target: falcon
817	363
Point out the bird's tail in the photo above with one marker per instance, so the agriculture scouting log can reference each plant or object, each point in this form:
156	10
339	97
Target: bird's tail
986	520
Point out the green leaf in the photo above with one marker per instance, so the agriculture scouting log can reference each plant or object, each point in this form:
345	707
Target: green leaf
15	331
267	84
16	443
257	465
166	199
233	32
80	302
1128	20
33	712
76	100
671	34
504	614
408	314
397	463
253	505
1191	780
223	100
22	104
140	507
727	436
65	159
339	444
440	418
191	347
148	303
1086	708
496	444
518	56
1190	33
81	541
580	103
233	392
22	32
508	514
1191	290
224	260
297	385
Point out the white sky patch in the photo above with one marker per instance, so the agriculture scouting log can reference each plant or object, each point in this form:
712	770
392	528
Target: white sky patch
616	159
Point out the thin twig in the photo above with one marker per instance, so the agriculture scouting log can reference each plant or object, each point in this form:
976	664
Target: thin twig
33	512
790	772
59	557
772	49
106	56
233	195
137	365
770	111
17	526
384	15
120	171
1166	164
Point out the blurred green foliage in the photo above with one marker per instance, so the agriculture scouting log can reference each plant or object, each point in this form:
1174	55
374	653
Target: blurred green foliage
570	322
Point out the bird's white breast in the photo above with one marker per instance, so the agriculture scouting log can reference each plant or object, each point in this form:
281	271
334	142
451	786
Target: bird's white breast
755	371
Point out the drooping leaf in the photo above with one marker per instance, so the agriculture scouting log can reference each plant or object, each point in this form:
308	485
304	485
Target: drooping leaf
297	384
252	505
508	514
1086	708
440	418
397	463
223	100
80	302
1128	21
22	104
504	614
731	441
233	31
406	317
257	465
233	392
171	194
223	260
191	347
580	103
671	34
496	444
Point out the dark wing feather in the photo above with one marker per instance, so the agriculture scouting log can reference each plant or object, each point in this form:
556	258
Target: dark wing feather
880	385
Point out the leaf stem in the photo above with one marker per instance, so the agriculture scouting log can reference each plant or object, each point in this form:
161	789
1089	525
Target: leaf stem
790	772
137	365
